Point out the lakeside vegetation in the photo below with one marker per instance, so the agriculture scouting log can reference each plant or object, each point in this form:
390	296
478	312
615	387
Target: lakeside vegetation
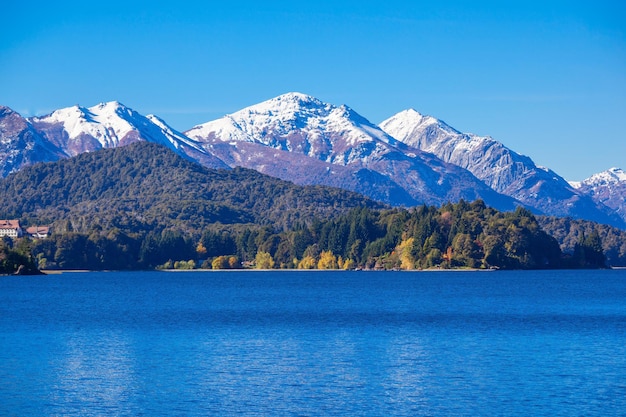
16	257
144	207
462	235
569	233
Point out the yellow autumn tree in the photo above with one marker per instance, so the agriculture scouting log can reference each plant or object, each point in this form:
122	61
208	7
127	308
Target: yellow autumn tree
327	261
345	264
308	262
221	262
201	250
233	262
264	260
404	253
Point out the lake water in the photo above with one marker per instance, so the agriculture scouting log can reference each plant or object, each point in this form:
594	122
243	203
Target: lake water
314	343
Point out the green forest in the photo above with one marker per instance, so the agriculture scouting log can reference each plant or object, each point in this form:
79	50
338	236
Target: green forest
462	235
570	233
144	207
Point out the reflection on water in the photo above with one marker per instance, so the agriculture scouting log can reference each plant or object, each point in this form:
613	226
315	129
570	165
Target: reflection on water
320	344
93	372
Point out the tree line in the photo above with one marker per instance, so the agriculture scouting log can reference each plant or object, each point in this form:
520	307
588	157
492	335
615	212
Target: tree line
142	206
461	235
570	233
16	258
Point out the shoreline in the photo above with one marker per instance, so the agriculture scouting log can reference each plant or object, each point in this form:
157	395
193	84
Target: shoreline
77	271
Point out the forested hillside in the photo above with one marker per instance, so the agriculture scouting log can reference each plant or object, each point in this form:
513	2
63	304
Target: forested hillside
145	187
570	232
142	206
453	236
16	259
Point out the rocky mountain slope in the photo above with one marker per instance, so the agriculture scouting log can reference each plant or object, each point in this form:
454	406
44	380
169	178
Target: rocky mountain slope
21	144
499	167
608	188
409	160
300	138
76	130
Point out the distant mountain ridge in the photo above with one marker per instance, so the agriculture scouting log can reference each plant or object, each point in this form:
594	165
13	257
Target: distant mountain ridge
21	144
349	147
612	176
410	159
499	167
608	188
77	129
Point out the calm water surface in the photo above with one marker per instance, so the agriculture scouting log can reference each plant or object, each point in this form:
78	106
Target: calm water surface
314	343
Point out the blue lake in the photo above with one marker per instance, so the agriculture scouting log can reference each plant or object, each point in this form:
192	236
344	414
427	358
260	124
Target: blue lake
314	343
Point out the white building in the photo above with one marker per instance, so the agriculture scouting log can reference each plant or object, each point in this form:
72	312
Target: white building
10	228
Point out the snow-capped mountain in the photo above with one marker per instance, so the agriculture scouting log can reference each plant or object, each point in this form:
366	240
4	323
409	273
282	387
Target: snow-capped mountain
21	145
294	125
502	169
298	123
610	177
78	129
413	159
608	188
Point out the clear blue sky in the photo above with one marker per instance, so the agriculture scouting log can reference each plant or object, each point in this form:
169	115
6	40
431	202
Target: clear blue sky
546	78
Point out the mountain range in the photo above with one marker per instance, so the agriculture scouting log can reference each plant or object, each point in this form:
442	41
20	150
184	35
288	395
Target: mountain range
410	159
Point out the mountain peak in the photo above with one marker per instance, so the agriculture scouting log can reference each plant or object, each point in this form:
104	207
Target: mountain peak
277	121
7	111
417	130
618	172
112	109
411	112
282	114
107	124
288	104
74	112
296	97
610	176
410	122
109	105
499	167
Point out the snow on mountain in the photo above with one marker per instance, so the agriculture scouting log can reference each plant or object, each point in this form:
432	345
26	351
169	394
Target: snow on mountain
502	169
337	135
612	176
299	123
78	129
20	144
608	188
413	159
422	130
499	167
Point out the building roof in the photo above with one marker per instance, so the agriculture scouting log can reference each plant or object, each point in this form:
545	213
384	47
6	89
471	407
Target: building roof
9	224
38	229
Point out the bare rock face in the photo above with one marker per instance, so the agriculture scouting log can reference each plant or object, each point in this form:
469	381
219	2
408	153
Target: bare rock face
410	159
353	152
76	130
20	144
499	167
608	188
